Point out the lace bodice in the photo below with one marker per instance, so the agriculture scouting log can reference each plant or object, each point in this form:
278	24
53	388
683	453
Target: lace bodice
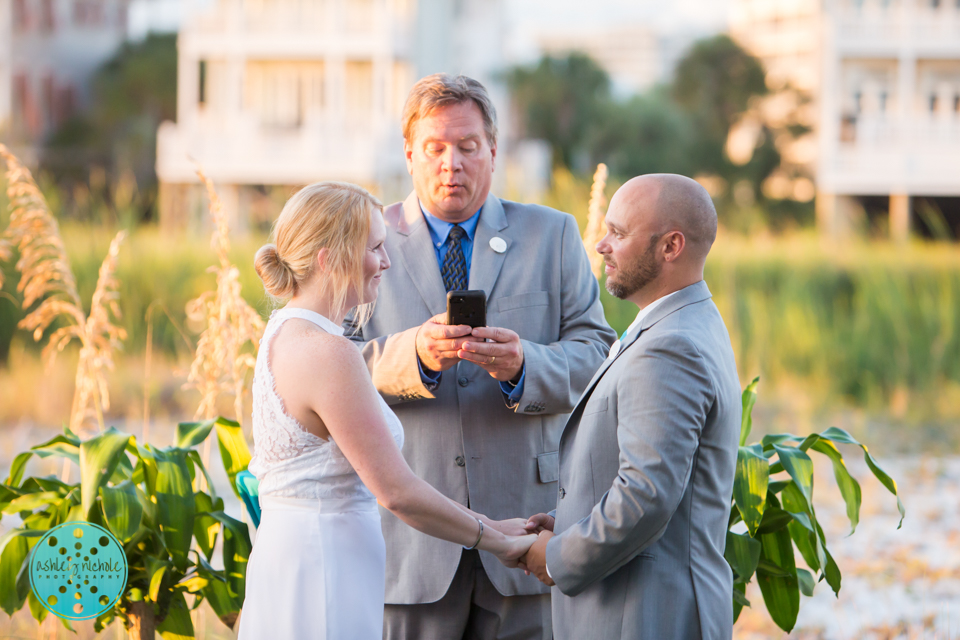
288	460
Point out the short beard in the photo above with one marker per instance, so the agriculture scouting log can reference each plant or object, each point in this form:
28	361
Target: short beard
637	275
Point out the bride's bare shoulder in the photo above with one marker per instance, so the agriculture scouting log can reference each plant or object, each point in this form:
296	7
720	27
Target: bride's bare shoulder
305	349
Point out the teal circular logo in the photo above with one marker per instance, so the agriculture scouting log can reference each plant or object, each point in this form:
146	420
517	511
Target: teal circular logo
78	570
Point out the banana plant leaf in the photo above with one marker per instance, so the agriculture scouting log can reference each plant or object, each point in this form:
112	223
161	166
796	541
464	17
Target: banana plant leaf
175	503
233	449
780	589
750	485
122	509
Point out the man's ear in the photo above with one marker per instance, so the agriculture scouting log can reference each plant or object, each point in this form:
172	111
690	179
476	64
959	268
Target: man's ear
408	155
674	244
493	157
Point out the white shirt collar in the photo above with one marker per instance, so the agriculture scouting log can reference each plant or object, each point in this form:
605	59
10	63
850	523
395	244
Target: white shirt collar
643	313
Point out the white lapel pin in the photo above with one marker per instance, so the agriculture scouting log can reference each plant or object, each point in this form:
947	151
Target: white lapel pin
498	244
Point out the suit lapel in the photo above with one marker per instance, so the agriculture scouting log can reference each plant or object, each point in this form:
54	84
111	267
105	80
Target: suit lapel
419	257
486	263
694	293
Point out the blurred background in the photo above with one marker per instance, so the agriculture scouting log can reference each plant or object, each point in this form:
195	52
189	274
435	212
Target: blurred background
827	132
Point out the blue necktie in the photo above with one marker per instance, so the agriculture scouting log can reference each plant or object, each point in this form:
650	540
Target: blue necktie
454	269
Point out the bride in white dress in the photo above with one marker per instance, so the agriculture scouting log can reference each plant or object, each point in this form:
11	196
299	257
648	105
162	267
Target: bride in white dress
326	446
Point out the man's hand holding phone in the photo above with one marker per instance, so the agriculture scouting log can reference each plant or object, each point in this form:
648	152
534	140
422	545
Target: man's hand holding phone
497	350
438	344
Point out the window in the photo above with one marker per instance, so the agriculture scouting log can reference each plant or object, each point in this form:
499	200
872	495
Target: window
284	93
359	89
202	93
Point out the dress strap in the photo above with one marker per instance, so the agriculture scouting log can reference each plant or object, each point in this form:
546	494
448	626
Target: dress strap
321	321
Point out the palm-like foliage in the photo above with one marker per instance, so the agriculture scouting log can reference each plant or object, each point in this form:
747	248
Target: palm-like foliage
780	517
147	497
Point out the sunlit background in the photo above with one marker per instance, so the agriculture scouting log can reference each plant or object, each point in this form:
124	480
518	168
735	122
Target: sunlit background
827	132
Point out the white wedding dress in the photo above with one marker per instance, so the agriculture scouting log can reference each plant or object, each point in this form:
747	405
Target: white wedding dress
317	566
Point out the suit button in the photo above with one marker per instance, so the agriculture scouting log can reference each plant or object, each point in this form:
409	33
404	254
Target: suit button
463	382
460	461
563	492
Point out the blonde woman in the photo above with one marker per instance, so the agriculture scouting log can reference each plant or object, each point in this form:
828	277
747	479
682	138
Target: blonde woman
326	446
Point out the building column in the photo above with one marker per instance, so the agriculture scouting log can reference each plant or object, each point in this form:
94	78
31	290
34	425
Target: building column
826	210
899	217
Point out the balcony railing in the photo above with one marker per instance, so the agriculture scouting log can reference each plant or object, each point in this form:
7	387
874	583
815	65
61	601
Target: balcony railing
895	24
346	17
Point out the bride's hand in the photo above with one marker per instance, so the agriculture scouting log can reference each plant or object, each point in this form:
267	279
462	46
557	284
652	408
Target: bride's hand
511	526
514	548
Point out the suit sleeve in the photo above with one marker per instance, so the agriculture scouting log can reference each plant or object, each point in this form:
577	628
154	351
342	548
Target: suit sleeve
556	374
393	363
663	399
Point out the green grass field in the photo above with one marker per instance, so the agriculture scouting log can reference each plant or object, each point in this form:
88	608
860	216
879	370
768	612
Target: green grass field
867	325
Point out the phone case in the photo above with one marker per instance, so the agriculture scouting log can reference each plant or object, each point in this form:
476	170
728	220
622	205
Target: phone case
467	307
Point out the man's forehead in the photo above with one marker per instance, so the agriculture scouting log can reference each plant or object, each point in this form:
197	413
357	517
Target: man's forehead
632	203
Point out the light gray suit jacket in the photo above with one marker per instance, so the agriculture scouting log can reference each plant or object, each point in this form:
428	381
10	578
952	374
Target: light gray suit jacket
646	477
461	437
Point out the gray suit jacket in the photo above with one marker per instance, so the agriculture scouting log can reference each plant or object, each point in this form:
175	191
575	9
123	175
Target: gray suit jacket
646	477
461	437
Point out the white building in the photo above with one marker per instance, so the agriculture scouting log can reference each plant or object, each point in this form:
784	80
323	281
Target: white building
49	49
279	93
886	78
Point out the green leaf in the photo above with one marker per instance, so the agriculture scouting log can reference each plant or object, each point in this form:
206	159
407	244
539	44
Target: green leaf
750	485
177	624
806	581
156	569
849	487
14	550
33	501
830	569
99	457
233	449
37	610
194	456
739	599
190	434
774	519
17	468
839	435
742	553
205	526
122	509
804	540
175	503
62	446
796	505
236	553
800	467
749	399
781	593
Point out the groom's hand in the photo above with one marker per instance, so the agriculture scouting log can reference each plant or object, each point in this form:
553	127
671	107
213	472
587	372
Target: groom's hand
535	561
497	350
439	343
539	522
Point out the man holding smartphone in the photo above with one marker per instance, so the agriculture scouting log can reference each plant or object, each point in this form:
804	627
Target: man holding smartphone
482	408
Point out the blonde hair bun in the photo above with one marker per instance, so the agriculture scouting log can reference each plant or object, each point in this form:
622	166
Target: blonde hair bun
325	215
278	279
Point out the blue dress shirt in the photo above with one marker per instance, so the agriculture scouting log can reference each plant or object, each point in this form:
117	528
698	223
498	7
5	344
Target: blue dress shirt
440	236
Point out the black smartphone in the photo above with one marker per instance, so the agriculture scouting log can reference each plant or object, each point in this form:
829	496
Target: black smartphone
467	307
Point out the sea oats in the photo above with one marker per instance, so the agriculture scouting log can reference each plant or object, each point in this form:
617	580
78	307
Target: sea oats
223	358
596	227
46	277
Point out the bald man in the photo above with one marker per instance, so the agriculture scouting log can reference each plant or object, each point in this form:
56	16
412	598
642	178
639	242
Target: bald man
647	458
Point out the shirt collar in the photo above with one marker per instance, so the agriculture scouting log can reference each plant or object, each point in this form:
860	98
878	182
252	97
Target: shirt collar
440	229
643	313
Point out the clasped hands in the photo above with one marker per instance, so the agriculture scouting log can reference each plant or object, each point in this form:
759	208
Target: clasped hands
534	560
497	350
